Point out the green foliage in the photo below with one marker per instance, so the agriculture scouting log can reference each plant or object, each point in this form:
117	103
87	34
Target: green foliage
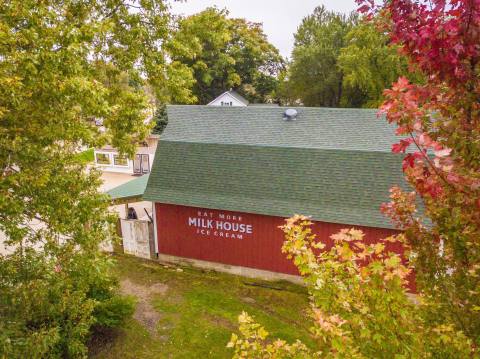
253	343
340	61
313	76
358	303
87	156
64	65
226	53
370	63
161	119
112	312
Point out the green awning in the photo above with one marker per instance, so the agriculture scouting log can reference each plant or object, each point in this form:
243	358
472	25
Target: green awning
132	190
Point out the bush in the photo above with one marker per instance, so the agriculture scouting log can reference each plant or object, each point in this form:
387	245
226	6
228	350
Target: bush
359	304
111	313
49	311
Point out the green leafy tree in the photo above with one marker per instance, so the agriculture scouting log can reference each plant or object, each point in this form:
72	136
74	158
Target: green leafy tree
370	63
160	119
65	64
341	61
226	53
314	77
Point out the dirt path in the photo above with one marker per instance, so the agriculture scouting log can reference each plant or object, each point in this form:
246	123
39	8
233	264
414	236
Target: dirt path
144	312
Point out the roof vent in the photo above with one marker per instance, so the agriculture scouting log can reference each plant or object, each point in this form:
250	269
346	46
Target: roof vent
290	114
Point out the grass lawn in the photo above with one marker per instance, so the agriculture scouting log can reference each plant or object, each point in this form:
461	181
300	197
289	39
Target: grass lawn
196	311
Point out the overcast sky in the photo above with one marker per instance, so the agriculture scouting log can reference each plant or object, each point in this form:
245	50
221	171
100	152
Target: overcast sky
280	18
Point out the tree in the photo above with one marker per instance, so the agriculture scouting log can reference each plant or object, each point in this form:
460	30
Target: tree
313	76
440	123
350	58
65	64
226	53
370	63
161	119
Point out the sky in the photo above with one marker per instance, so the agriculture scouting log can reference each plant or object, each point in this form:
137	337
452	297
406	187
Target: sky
280	18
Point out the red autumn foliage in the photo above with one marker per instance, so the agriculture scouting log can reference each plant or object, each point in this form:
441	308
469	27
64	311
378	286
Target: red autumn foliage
439	121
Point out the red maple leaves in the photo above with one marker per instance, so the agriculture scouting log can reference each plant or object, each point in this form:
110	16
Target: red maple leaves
439	121
436	118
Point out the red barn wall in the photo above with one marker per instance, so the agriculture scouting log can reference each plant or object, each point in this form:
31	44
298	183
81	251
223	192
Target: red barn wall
248	240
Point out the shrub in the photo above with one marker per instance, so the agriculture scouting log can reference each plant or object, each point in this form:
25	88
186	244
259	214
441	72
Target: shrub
112	312
359	304
48	310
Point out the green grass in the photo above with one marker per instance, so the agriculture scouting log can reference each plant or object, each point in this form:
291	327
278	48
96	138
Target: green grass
199	312
87	156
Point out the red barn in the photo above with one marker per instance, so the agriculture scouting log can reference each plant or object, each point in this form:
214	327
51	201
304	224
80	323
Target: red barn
225	178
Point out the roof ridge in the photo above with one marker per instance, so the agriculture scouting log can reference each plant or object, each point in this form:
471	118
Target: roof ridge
276	107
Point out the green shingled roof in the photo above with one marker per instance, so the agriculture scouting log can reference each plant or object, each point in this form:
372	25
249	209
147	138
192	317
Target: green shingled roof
130	190
332	164
327	128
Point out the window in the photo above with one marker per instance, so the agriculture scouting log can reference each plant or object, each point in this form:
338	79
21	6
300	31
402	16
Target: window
120	160
226	103
141	164
145	164
102	158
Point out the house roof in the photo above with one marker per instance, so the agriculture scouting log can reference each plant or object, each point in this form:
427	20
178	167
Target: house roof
332	164
235	95
322	128
239	97
130	190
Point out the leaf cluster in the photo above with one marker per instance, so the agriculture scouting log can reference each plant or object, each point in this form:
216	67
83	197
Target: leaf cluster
439	122
66	66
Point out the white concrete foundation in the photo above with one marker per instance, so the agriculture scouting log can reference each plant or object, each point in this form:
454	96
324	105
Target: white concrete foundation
241	271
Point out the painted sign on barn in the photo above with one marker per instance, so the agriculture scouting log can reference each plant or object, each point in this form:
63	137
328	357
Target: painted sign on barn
207	223
236	239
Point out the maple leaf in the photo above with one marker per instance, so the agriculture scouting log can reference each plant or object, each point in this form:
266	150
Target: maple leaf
402	146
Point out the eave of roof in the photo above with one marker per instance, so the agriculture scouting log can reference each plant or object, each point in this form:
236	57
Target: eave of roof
131	190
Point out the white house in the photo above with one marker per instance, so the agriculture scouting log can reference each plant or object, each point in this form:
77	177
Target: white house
108	159
229	98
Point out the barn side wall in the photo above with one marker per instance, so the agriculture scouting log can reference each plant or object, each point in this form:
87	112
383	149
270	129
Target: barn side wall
236	239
